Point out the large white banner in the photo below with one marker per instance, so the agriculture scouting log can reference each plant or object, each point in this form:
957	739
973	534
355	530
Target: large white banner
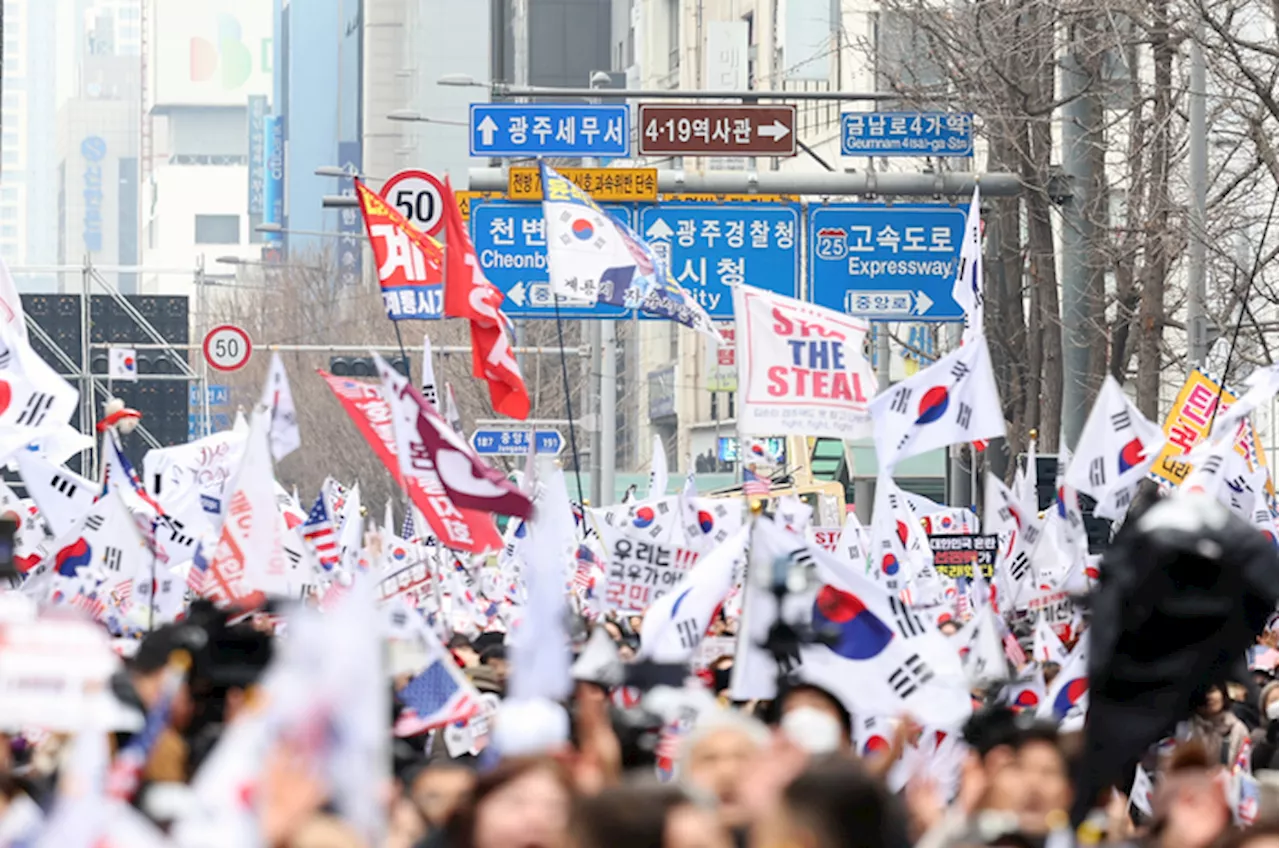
802	370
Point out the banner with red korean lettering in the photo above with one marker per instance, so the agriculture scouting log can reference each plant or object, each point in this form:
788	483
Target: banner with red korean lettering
640	571
1188	423
410	264
802	370
458	529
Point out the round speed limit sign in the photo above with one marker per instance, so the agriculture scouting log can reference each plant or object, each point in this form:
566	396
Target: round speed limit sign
227	348
418	196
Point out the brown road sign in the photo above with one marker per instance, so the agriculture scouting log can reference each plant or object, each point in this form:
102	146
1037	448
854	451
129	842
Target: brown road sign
705	130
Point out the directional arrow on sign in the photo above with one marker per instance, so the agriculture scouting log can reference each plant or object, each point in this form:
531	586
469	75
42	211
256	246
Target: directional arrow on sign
775	131
923	302
659	230
515	294
487	128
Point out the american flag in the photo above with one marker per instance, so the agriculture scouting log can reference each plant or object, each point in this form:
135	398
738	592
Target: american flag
434	698
1012	649
125	774
199	572
317	531
406	529
584	575
753	485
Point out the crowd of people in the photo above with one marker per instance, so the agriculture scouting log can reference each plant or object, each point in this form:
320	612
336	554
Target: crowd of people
788	772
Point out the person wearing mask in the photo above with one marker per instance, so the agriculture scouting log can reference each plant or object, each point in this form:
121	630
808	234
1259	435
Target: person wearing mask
522	803
713	757
1265	737
1216	727
834	803
812	718
646	816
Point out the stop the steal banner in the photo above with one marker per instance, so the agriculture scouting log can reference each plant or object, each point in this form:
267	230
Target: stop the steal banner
802	368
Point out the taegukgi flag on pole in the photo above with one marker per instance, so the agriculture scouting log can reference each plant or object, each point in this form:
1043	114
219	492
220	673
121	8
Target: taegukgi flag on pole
953	401
967	288
584	243
801	368
1115	451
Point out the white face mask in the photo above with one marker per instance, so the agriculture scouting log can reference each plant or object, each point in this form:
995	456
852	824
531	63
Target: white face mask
812	729
1273	710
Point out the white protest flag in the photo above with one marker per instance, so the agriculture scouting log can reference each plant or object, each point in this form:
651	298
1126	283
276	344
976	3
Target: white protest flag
277	400
1026	692
250	553
196	475
451	413
11	312
1260	386
1069	696
540	658
967	288
656	520
1047	647
35	401
1114	452
854	545
122	364
584	243
708	521
62	495
658	468
1026	485
801	368
675	624
953	401
1142	795
429	390
882	659
889	562
985	661
351	536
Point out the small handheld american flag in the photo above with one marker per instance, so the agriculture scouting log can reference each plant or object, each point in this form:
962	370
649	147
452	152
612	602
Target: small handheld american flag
318	533
753	485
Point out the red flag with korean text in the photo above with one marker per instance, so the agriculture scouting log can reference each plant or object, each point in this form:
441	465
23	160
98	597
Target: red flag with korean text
459	529
469	294
410	264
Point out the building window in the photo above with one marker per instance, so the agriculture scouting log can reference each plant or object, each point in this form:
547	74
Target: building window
9	194
9	231
9	157
217	229
8	213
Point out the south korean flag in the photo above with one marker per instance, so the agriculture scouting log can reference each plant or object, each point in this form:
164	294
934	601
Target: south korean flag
1115	452
953	401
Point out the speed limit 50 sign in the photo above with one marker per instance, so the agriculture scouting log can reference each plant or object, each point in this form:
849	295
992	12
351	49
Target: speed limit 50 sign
227	348
418	196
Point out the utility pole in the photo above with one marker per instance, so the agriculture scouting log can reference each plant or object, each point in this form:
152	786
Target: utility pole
1197	323
604	452
1081	113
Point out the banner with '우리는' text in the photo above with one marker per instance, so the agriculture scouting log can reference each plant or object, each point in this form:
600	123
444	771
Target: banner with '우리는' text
802	369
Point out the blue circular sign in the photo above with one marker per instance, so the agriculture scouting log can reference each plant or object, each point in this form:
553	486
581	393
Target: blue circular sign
93	148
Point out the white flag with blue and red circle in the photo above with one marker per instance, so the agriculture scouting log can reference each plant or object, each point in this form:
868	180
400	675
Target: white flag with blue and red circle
1114	453
584	242
953	401
122	364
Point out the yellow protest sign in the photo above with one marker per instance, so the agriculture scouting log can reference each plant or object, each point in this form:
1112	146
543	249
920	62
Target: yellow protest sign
617	185
1189	421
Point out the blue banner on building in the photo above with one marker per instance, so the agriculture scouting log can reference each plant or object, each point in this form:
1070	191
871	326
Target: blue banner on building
94	150
350	224
273	174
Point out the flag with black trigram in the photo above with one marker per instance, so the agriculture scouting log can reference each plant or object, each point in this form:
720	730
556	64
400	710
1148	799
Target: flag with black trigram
908	623
1019	564
953	401
1114	452
111	557
62	495
908	677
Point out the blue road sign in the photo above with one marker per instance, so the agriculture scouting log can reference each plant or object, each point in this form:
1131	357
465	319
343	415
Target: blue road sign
546	129
218	395
515	442
906	134
712	246
887	263
511	242
221	421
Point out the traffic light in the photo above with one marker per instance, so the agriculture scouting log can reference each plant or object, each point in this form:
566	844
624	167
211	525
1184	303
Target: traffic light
362	366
